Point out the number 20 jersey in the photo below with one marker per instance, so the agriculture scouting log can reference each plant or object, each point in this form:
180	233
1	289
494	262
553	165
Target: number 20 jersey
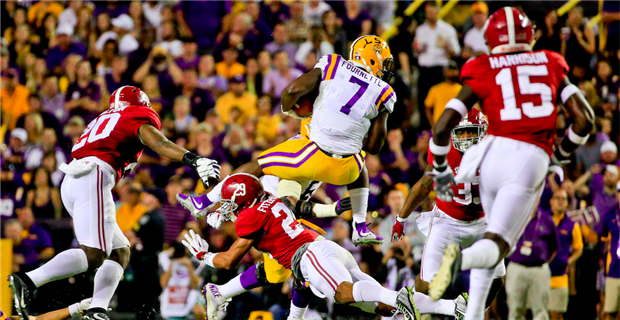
113	137
518	93
349	98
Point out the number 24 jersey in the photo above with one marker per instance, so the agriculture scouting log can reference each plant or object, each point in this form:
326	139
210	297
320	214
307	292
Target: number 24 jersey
349	98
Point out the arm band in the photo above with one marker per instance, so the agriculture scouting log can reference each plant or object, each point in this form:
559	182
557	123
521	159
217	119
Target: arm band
74	309
304	209
208	259
401	220
189	158
325	210
568	91
438	150
458	106
575	138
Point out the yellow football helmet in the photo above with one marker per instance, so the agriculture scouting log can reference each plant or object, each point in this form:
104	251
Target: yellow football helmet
372	54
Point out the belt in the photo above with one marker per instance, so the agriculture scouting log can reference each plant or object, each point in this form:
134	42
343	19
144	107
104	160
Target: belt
336	156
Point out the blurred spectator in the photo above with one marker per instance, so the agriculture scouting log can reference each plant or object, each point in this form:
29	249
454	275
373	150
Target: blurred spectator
84	31
240	37
548	34
84	95
382	13
254	78
208	79
578	44
314	10
439	94
264	62
44	198
342	236
109	52
378	181
355	21
204	147
130	209
239	99
161	64
150	86
569	250
399	272
104	24
33	123
605	81
14	153
200	100
528	279
35	235
276	80
229	66
74	129
35	74
611	17
474	43
260	27
188	59
201	20
118	77
297	27
169	40
335	34
266	123
25	257
152	12
38	11
137	15
281	41
20	47
50	163
589	154
176	217
34	156
121	28
13	97
183	120
47	32
435	43
69	15
402	164
394	201
611	231
274	12
609	153
316	43
601	188
237	148
49	120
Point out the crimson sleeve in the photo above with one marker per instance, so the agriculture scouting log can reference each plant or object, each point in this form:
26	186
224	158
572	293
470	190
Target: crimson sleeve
472	75
249	223
429	158
562	67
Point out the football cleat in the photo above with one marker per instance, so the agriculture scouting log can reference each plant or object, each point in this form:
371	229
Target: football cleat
197	206
406	305
215	300
363	236
446	275
95	314
21	295
460	305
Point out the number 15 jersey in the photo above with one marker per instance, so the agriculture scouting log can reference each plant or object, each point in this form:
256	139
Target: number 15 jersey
349	98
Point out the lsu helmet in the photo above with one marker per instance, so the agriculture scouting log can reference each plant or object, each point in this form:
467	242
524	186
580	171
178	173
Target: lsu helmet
372	54
508	30
474	120
240	191
128	96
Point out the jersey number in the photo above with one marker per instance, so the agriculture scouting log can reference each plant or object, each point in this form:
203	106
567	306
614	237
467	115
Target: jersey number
468	194
346	109
289	224
510	111
100	128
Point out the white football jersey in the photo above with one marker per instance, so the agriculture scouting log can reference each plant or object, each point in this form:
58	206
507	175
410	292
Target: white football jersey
349	98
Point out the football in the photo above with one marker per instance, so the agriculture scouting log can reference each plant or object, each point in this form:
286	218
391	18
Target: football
304	105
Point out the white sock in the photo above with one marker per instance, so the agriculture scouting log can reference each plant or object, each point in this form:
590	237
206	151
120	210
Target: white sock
480	281
215	194
426	305
370	291
232	288
359	204
106	280
63	265
483	254
296	312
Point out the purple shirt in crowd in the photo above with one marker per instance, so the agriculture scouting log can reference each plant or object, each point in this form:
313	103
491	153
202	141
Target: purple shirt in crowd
611	225
204	18
91	91
537	243
184	65
175	217
56	56
288	47
276	81
603	201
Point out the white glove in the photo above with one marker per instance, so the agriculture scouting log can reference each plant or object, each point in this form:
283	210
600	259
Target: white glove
206	169
443	183
196	245
80	307
215	219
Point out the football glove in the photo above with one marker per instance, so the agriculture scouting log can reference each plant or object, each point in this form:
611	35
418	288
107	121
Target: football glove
343	205
215	219
398	230
205	167
196	244
443	182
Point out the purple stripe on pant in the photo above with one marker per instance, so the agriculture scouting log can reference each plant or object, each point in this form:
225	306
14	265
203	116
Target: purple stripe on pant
358	162
287	154
290	165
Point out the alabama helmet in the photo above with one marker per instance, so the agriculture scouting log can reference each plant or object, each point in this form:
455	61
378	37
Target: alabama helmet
128	96
473	121
372	54
508	30
240	191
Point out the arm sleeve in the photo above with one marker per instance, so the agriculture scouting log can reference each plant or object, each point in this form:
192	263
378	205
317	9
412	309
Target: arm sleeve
322	65
146	115
388	104
561	67
471	75
577	238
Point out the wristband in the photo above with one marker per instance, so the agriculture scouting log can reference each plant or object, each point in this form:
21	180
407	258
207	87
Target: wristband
568	91
189	159
208	259
74	309
325	210
458	106
401	220
438	150
575	138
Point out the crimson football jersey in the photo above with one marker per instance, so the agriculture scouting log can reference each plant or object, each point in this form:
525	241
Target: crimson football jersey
275	229
113	137
465	205
517	93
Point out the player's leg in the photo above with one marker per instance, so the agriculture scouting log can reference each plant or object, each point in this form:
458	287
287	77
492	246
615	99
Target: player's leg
358	192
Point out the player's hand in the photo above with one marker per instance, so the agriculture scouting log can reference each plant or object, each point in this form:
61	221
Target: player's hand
398	229
84	305
196	244
206	169
215	219
443	183
343	205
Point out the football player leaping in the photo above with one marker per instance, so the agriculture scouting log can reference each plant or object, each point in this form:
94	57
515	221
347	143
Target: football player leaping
354	100
107	150
517	89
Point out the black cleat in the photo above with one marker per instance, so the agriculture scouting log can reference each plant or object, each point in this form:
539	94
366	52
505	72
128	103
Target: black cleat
21	295
95	314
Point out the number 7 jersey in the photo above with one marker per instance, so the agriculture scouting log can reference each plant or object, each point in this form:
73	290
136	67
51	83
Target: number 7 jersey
518	93
349	98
